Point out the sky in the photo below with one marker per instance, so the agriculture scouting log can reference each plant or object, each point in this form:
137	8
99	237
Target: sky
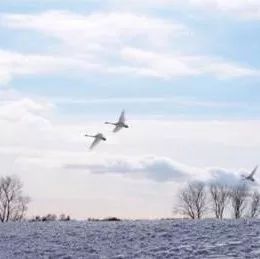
187	73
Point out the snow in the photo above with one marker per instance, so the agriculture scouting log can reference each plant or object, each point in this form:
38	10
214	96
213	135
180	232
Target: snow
131	239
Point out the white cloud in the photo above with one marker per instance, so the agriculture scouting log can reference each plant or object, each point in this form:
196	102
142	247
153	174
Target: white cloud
137	62
17	110
245	9
167	66
224	176
89	39
16	64
98	31
155	168
249	9
132	47
159	169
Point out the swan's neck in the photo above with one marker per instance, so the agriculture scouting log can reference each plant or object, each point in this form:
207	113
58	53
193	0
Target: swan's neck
110	123
89	136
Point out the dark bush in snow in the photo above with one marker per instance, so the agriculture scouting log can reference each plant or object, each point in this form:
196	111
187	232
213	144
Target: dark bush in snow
63	217
111	219
49	217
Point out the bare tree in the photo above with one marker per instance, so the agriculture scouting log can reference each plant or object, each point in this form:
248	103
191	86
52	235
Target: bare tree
254	204
13	204
219	194
238	197
193	200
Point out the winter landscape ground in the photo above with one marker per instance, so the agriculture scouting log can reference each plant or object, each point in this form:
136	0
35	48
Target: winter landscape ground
132	239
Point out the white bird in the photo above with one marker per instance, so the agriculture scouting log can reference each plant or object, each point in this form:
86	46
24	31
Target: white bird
120	123
250	177
97	138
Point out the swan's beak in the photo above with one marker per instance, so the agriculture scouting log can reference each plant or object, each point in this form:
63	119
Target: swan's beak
104	139
126	126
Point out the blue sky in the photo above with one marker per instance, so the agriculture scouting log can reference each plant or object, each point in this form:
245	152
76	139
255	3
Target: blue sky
216	36
189	70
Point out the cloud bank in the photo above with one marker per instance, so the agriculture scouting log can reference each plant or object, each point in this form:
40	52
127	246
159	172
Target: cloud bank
159	169
134	47
244	10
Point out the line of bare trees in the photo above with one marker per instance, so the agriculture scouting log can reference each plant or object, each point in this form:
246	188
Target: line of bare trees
198	199
13	204
50	217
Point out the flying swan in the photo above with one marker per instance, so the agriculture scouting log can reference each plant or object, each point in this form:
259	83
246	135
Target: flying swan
120	123
97	138
250	177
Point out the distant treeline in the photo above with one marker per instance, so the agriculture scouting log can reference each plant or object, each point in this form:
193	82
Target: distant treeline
197	200
51	217
63	217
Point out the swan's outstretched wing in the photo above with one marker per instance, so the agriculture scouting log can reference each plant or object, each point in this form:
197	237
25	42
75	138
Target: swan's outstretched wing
122	117
95	142
117	128
253	172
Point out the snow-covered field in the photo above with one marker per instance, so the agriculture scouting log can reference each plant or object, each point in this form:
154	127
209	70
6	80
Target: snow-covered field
131	239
